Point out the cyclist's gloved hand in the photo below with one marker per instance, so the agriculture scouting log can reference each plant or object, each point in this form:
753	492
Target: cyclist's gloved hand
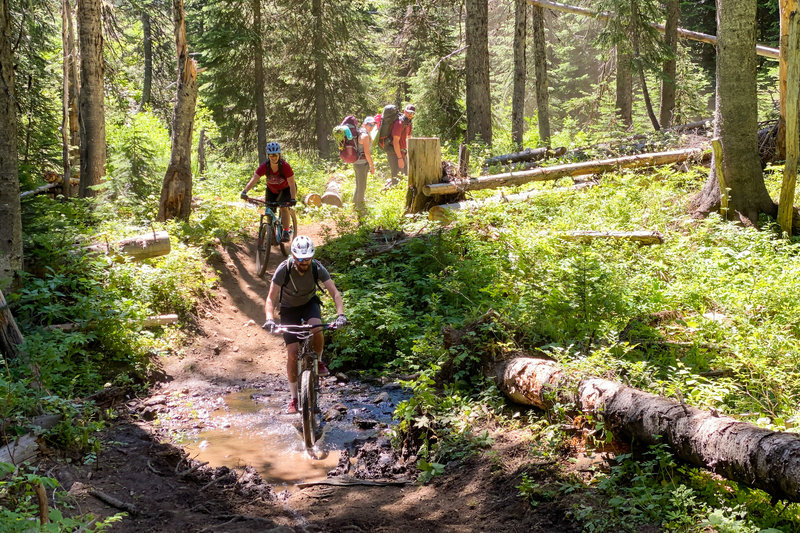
292	202
340	321
243	195
270	325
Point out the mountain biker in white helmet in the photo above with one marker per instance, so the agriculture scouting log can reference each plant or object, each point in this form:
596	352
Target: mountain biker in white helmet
294	290
281	186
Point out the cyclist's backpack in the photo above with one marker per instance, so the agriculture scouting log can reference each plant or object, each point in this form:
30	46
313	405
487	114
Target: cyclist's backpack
290	265
388	118
346	135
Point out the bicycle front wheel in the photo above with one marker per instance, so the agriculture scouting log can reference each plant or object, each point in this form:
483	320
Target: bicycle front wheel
263	248
308	406
286	246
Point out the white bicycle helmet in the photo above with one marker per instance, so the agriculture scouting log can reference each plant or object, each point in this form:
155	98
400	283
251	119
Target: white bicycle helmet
302	247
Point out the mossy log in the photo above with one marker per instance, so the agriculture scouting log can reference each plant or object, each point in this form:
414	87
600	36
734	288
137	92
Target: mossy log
760	458
139	247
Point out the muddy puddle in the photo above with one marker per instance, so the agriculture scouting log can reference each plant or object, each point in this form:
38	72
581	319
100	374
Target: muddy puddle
251	427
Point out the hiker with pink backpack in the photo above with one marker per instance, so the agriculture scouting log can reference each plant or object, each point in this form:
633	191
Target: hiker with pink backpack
355	146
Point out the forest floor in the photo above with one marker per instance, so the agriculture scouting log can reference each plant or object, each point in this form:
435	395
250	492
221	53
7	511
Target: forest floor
144	466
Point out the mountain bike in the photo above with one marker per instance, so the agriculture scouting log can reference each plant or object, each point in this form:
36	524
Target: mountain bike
270	231
307	371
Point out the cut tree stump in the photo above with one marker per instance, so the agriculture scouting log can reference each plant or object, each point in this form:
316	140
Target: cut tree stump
333	192
139	247
312	199
511	179
764	459
424	168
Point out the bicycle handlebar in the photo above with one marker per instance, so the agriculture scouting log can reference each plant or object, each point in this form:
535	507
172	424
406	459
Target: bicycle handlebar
298	329
259	201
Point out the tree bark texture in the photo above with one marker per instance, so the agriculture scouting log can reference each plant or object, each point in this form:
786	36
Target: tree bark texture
768	460
10	335
479	102
792	139
786	8
91	117
71	52
320	80
520	68
735	120
540	69
424	167
764	51
624	101
147	51
11	226
669	68
572	169
258	82
176	191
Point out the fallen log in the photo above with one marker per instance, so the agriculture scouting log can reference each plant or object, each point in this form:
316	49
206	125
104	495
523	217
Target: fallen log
26	447
139	247
444	212
642	237
149	322
10	335
333	192
510	179
764	459
529	154
39	190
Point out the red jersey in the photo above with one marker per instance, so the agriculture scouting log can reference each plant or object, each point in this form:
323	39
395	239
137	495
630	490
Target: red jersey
401	131
279	180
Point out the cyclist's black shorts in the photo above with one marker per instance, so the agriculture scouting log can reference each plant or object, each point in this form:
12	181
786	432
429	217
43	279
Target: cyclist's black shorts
284	195
296	315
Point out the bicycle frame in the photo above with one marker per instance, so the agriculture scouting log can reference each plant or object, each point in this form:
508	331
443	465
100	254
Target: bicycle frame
271	232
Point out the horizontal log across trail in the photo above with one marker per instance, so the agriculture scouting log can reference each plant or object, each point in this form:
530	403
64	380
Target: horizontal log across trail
510	179
760	458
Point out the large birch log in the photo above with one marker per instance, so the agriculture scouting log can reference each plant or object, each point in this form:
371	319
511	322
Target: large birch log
761	50
424	168
760	458
139	247
510	179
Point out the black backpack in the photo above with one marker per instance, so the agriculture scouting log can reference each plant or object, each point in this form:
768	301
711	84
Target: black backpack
388	118
314	271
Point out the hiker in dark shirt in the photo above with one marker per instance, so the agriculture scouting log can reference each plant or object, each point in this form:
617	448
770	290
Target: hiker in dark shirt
294	289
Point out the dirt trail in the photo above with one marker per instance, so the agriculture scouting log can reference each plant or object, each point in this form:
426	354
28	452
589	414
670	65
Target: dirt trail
142	463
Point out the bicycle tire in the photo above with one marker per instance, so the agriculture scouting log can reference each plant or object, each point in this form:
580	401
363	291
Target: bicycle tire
263	248
308	407
286	246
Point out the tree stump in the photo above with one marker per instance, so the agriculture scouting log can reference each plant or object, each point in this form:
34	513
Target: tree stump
424	168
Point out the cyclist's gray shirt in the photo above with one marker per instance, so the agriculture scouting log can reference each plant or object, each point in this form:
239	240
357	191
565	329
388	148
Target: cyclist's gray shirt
300	288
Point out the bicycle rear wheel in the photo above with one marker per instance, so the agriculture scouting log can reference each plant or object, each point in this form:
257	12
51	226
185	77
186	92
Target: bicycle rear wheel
308	406
263	248
286	246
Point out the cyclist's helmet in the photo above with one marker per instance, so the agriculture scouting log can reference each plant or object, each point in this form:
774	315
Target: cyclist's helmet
273	148
302	247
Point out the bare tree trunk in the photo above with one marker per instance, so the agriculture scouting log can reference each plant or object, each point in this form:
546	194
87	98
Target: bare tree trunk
624	102
65	99
768	460
74	93
258	81
790	106
479	107
736	123
669	68
201	153
92	108
320	80
787	7
147	50
540	67
176	192
11	226
520	68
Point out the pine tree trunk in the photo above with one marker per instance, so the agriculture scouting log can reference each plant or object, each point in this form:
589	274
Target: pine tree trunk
736	121
768	460
320	79
792	136
91	117
147	51
74	94
176	191
201	152
479	109
258	82
670	65
540	67
520	68
624	102
11	226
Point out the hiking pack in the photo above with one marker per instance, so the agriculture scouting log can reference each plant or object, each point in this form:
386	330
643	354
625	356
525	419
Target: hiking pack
314	271
346	135
385	121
